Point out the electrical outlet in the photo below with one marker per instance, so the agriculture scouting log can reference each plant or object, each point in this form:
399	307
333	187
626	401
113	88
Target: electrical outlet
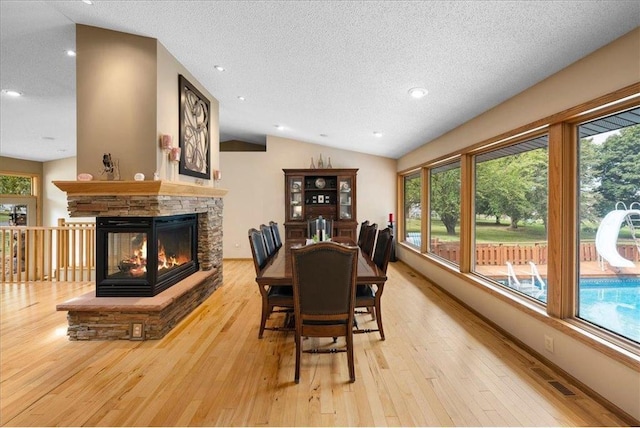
548	343
137	331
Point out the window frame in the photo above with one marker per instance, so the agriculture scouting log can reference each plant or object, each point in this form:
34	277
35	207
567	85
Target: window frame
428	171
34	200
402	221
562	212
505	144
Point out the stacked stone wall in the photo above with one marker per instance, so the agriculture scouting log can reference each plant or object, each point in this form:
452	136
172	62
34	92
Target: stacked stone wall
115	323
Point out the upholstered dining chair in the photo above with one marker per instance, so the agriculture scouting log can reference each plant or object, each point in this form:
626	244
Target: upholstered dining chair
362	233
368	238
273	296
269	242
324	285
369	296
276	234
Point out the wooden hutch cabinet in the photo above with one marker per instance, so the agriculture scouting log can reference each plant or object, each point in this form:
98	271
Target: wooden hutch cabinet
330	193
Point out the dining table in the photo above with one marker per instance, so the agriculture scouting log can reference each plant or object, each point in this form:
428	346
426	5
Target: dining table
278	270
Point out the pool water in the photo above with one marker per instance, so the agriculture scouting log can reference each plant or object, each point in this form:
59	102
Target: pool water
612	303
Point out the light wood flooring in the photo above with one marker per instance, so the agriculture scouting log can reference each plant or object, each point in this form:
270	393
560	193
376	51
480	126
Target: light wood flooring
439	366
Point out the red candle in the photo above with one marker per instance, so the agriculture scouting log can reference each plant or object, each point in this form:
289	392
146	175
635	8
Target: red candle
390	217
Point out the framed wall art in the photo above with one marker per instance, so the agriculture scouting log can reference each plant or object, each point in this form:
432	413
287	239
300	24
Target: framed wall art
195	131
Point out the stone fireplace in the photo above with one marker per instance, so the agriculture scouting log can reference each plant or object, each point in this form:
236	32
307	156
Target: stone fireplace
145	207
143	256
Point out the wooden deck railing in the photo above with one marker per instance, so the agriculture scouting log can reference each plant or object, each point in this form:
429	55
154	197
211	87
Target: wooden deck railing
522	254
33	253
517	254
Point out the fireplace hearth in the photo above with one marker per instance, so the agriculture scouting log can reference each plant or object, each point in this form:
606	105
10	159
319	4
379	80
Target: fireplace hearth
143	256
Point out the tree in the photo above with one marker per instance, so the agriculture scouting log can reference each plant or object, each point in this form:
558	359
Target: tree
514	185
589	176
15	185
486	188
412	193
445	197
619	167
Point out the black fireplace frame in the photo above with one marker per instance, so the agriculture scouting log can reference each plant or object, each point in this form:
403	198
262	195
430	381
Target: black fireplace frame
152	284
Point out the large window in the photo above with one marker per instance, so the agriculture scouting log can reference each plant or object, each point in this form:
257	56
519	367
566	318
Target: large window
16	203
413	209
444	204
608	293
510	230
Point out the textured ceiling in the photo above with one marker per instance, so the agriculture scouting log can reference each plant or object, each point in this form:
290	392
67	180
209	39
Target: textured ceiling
341	69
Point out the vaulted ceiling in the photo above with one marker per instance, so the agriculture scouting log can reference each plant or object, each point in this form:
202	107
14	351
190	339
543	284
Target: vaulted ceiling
328	72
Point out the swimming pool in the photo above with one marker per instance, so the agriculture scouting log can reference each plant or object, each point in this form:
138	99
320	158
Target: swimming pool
612	303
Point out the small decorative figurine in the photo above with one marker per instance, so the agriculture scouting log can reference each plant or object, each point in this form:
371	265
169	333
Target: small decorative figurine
110	167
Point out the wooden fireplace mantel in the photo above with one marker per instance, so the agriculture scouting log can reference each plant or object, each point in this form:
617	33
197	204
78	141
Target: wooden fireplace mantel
138	188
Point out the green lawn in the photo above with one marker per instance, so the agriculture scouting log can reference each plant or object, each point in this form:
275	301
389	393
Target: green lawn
487	231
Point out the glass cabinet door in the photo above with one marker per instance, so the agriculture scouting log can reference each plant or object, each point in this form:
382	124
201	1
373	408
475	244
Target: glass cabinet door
295	198
345	198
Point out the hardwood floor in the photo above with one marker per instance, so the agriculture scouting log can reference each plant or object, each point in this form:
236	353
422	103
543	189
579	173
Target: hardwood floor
440	365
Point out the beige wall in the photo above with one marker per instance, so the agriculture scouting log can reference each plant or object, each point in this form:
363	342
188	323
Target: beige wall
256	186
116	101
20	166
613	67
127	97
55	200
167	121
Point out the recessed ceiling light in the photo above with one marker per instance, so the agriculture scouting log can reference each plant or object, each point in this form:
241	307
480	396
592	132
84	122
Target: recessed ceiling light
62	150
323	135
218	67
241	98
377	134
12	93
70	52
89	2
279	127
48	138
418	92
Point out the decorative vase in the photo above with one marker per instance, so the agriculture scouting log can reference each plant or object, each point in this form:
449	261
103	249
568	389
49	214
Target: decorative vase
329	163
312	166
320	162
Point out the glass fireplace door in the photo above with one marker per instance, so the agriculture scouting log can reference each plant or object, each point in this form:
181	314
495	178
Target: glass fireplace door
126	255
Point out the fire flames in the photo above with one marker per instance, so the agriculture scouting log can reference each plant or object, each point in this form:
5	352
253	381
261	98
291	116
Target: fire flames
136	264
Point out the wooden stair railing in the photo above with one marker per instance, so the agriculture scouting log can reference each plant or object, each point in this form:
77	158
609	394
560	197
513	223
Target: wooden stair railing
37	253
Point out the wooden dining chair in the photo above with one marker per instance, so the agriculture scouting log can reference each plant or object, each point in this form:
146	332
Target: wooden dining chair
273	296
324	285
276	234
363	232
369	296
368	238
267	234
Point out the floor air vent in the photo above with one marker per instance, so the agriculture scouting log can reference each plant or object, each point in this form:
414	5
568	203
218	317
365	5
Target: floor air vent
560	387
